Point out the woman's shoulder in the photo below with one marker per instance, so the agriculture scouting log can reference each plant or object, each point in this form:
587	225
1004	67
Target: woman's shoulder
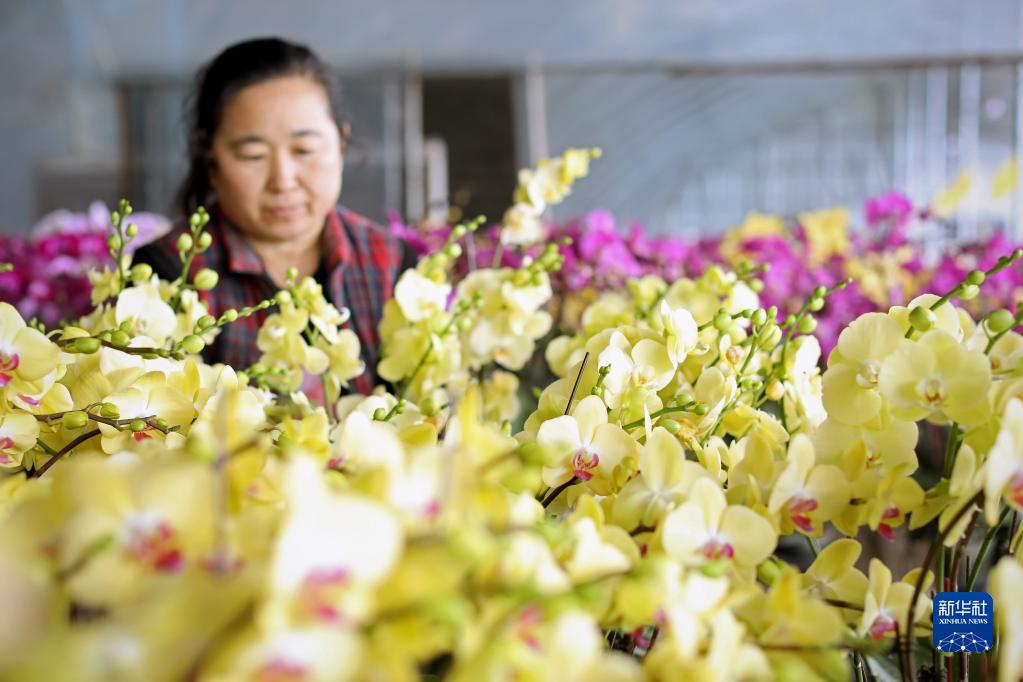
376	241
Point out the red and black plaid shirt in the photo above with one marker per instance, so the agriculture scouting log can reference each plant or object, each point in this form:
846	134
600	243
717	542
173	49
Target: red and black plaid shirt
360	265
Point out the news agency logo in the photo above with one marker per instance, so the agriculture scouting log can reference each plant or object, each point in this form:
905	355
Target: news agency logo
963	622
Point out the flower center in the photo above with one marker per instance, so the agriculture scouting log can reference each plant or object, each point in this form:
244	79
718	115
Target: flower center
318	590
881	626
884	528
8	363
584	462
868	374
931	391
1016	488
152	541
799	512
281	670
716	548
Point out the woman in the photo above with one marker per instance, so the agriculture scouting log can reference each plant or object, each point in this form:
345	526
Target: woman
266	159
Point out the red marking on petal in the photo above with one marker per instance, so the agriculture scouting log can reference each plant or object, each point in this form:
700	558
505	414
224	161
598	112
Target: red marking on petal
716	549
140	436
431	509
583	463
6	442
886	532
892	512
1016	488
169	561
4	379
5	459
802	522
881	626
29	400
279	670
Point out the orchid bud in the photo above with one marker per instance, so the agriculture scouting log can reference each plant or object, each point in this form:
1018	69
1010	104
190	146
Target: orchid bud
922	318
185	243
86	345
192	344
205	279
74	420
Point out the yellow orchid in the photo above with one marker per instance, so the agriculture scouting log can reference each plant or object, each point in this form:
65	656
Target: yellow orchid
806	495
790	615
1003	471
420	297
936	378
18	433
136	519
594	549
706	528
833	574
585	447
282	345
322	562
149	397
665	476
646	365
144	309
26	356
827	233
1006	586
851	393
886	606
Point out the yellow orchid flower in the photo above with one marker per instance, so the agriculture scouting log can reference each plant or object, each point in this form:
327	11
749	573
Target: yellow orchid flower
851	393
665	476
149	315
420	297
790	615
646	365
156	517
1003	471
1006	586
833	574
827	233
150	396
323	563
706	528
806	495
936	378
26	355
586	446
593	549
886	606
18	433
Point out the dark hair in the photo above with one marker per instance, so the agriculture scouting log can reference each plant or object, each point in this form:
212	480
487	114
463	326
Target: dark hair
237	67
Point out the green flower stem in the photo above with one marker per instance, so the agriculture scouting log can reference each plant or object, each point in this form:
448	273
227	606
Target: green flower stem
984	547
659	413
994	339
812	544
45	448
145	350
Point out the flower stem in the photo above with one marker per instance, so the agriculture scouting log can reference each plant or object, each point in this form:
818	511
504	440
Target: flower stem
984	547
67	448
575	386
557	491
908	653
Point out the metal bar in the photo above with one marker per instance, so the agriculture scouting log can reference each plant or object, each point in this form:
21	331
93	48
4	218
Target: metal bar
968	144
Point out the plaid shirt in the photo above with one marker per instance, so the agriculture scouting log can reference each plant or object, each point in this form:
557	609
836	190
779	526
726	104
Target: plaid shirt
361	262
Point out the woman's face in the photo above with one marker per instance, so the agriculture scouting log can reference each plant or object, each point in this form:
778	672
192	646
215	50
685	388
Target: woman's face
276	166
